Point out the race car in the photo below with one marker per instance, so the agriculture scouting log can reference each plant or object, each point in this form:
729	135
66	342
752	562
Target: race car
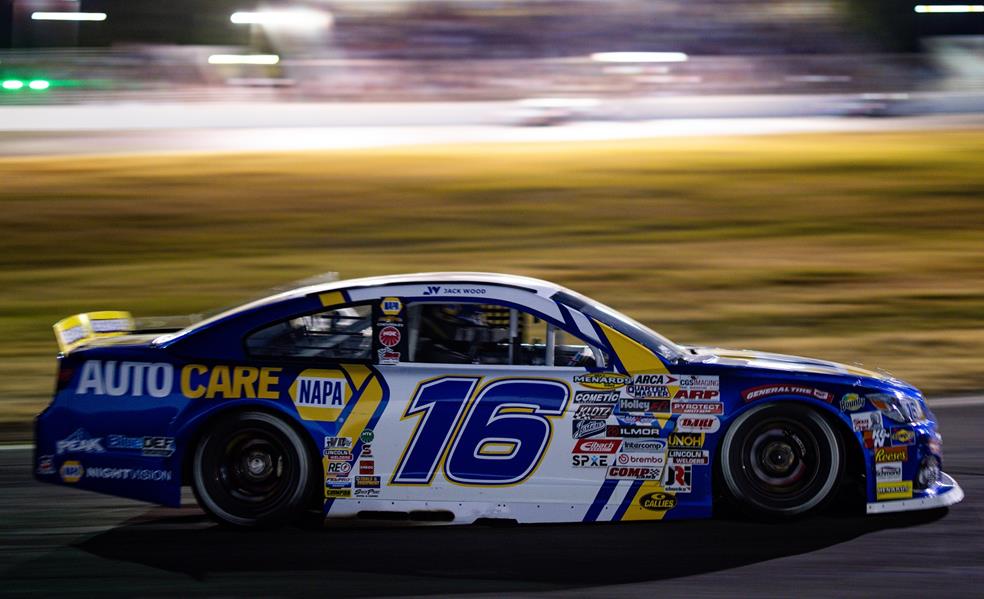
458	397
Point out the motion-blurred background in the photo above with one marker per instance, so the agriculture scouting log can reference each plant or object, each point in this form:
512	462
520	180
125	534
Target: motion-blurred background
802	176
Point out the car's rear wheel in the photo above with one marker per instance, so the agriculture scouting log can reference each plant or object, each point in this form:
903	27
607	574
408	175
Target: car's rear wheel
781	460
252	469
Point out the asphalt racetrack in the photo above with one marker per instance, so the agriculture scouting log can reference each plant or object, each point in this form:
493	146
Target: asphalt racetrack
64	541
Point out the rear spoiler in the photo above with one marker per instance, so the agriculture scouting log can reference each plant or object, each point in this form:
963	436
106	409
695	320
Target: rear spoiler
80	329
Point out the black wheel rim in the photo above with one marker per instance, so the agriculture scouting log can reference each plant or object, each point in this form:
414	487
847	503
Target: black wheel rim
781	460
253	471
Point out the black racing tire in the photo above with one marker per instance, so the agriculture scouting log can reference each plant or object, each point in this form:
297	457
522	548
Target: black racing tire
780	461
252	469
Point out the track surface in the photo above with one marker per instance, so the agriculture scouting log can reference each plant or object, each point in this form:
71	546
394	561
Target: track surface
57	541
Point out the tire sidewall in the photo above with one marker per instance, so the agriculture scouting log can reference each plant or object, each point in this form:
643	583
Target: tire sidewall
284	510
831	462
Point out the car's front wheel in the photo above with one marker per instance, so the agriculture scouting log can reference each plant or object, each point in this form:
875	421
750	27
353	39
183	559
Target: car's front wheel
252	469
781	460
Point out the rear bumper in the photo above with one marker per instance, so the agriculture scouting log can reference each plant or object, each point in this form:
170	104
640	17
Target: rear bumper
946	492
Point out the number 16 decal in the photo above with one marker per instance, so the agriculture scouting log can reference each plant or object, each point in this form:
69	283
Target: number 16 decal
497	439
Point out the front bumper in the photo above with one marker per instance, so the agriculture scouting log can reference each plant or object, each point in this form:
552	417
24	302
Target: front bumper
945	492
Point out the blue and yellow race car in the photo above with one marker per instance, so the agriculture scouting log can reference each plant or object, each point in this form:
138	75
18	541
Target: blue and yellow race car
464	396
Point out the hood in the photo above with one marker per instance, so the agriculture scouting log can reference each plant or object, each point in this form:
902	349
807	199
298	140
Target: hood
784	363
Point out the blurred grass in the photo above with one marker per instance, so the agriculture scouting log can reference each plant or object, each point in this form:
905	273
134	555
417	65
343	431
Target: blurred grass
854	247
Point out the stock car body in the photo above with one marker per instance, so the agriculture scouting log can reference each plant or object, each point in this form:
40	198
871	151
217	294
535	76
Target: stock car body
465	396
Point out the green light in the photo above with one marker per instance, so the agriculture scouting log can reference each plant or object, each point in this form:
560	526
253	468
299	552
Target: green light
12	84
39	84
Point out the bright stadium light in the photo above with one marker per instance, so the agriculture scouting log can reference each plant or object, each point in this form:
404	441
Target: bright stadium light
69	16
298	18
39	85
12	84
639	57
267	59
949	8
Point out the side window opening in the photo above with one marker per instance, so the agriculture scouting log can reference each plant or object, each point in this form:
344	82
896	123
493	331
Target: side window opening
338	334
468	333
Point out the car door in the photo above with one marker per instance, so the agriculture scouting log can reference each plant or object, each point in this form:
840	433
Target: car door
482	400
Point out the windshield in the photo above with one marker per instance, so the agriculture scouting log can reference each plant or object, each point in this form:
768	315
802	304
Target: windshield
621	323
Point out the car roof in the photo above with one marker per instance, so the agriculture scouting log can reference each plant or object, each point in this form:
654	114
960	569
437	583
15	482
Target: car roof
536	286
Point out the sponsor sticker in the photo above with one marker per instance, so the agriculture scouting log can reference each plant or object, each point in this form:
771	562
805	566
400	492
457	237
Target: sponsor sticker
320	395
590	460
657	502
593	411
894	490
136	474
587	428
686	440
697	394
596	397
337	469
630	431
336	489
645	406
698	424
194	381
71	471
677	478
697	407
644	446
891	454
338	447
390	336
866	421
391	306
903	436
367	436
652	460
602	380
696	457
365	493
367	467
596	445
875	438
46	464
785	389
888	472
367	482
634	473
648	391
388	356
79	442
851	402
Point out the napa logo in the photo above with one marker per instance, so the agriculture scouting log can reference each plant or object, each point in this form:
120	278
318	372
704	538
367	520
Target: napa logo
391	306
71	471
320	395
